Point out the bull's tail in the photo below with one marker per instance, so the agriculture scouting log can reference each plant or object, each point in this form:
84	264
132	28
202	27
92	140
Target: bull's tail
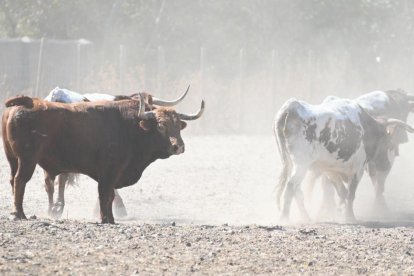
20	101
279	129
67	179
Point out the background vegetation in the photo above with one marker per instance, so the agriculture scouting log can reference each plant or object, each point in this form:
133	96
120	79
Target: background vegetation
260	51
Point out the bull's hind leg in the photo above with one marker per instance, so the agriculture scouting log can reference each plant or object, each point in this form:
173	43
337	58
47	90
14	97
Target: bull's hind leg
300	201
328	208
59	206
292	185
13	170
50	189
24	173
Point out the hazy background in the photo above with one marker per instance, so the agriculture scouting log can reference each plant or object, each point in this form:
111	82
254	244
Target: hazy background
243	56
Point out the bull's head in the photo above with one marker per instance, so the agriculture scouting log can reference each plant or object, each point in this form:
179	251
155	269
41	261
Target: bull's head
387	140
164	125
402	103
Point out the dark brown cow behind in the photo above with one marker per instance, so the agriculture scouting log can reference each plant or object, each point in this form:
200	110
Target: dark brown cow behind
111	142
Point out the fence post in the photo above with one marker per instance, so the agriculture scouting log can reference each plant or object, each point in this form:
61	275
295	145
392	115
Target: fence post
272	78
310	76
122	68
78	67
160	65
39	67
241	89
202	71
202	125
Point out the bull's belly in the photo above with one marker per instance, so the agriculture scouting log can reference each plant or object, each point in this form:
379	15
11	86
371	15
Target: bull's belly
318	158
330	162
57	166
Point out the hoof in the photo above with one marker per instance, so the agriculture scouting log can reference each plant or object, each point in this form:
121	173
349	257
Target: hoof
15	216
57	210
107	220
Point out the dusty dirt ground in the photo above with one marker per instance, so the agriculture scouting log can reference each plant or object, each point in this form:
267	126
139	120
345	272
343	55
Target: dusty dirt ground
210	210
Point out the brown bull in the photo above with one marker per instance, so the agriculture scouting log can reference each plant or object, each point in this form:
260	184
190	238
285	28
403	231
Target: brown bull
56	208
111	142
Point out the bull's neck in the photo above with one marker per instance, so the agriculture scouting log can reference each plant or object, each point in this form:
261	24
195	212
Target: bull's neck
372	134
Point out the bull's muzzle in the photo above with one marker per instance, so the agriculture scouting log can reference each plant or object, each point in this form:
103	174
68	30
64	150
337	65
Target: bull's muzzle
177	147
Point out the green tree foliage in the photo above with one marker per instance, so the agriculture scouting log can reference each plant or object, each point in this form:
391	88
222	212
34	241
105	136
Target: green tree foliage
364	29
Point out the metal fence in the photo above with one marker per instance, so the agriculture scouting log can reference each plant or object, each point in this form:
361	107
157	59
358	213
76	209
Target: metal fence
243	91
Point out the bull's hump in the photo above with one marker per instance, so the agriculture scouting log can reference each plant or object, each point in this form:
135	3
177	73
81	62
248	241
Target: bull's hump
373	101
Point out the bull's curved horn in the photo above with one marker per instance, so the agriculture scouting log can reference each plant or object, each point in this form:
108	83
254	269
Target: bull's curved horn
141	106
142	114
188	117
396	122
157	101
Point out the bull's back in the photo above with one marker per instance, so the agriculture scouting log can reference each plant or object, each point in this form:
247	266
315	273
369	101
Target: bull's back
63	139
329	133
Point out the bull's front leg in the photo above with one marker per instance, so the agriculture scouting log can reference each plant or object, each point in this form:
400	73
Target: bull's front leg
380	205
378	179
106	197
352	186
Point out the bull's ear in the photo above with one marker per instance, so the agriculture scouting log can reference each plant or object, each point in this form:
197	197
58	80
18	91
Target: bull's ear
183	124
145	125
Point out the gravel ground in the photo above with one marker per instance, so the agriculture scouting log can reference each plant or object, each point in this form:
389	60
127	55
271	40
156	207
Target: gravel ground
43	246
210	210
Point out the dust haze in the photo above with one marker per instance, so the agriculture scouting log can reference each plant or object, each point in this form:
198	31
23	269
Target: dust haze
245	58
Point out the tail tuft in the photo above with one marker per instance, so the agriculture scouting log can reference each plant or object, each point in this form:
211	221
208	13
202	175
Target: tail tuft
72	178
20	101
